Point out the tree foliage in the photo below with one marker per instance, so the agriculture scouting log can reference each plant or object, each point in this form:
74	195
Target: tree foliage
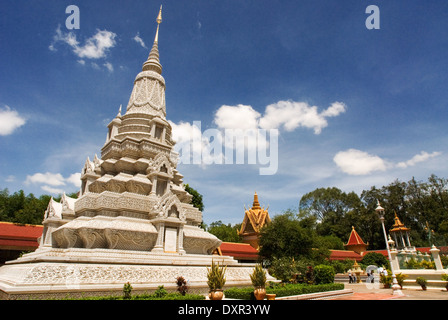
225	232
285	237
24	209
421	206
196	200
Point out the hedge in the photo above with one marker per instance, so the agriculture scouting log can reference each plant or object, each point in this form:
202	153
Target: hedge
246	293
169	296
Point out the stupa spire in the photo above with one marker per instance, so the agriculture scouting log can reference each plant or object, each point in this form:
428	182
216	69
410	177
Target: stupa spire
153	62
256	204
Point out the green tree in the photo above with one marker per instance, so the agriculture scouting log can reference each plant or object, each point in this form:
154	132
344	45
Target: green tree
226	233
196	200
335	211
375	258
285	237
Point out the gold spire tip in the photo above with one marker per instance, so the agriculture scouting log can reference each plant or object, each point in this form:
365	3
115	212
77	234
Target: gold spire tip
159	17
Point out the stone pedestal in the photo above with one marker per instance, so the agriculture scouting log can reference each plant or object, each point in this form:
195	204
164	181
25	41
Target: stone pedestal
435	255
394	260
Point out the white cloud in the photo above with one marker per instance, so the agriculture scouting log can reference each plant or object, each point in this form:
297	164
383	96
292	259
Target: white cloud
422	156
290	115
191	142
139	40
287	114
244	132
53	179
109	66
94	47
49	181
75	179
10	120
52	190
356	162
237	117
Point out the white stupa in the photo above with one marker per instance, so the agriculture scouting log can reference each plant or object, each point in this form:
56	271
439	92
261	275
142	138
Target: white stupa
133	221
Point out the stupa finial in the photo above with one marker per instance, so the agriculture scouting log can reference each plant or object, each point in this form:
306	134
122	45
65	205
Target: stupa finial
159	21
153	63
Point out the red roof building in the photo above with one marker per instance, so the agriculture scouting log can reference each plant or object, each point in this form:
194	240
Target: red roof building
243	252
355	243
345	254
15	238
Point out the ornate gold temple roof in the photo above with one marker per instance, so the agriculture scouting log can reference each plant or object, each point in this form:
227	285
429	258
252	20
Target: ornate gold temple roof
398	225
254	218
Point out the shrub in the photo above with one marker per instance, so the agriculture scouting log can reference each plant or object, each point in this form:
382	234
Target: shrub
374	258
283	269
160	292
422	282
127	288
342	266
282	290
181	285
324	274
445	278
400	278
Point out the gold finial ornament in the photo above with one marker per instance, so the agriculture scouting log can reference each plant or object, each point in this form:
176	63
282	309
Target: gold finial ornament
159	17
153	62
159	21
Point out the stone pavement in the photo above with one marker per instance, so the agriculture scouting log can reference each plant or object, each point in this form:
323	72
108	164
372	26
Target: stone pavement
362	292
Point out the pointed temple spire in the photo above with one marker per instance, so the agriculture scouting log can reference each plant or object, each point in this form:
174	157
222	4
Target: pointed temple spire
355	243
254	219
153	62
256	204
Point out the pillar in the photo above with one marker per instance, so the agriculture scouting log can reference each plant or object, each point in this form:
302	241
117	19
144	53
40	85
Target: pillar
160	236
394	260
180	240
435	255
154	185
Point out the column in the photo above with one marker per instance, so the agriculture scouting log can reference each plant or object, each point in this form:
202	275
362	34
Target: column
435	255
154	185
394	260
180	240
163	134
160	236
407	238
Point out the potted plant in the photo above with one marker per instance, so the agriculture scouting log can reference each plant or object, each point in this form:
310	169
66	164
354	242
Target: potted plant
386	280
400	279
258	278
216	280
445	278
422	282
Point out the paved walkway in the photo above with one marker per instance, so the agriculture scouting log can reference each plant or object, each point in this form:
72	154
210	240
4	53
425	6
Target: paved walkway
362	292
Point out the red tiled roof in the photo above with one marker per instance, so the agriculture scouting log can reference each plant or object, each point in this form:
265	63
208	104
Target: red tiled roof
421	249
238	250
344	254
354	238
18	236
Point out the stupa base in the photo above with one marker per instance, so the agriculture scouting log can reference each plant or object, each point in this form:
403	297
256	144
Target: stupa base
60	273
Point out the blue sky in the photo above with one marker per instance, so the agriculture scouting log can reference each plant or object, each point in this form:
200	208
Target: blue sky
225	62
